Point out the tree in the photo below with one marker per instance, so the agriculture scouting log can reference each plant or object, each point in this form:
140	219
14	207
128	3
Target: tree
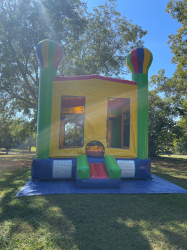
178	10
16	132
175	87
93	43
169	133
181	143
74	130
24	133
163	130
103	47
22	25
6	138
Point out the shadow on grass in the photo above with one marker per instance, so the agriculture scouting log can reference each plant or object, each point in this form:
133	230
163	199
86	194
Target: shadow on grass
90	221
67	221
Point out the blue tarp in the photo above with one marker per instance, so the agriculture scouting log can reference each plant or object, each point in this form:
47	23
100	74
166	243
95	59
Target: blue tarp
128	186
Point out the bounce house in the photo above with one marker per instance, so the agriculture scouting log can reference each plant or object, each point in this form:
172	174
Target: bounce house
91	128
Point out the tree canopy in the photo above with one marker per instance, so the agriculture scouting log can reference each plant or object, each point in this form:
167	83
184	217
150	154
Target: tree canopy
180	144
175	87
16	133
93	43
22	25
103	47
163	129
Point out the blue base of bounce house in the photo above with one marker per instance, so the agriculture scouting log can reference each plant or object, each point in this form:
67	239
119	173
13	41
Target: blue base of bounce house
98	183
44	168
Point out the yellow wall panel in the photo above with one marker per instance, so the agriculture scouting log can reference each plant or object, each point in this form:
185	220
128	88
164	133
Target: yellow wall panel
96	93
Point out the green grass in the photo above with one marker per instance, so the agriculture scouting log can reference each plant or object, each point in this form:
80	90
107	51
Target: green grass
175	156
92	221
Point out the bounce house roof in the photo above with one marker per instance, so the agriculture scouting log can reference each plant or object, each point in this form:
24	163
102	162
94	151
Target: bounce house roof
86	77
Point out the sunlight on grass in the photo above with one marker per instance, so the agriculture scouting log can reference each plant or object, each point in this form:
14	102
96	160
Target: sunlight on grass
171	169
175	156
92	221
54	231
55	210
21	182
6	173
41	202
163	235
5	192
2	179
157	232
16	157
33	149
129	222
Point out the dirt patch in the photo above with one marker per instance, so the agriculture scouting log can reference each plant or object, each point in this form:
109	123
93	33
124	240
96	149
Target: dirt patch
15	162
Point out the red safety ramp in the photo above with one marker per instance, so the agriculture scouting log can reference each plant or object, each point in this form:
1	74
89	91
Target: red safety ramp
98	171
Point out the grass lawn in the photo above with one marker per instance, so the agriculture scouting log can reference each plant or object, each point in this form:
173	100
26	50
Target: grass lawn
92	221
17	151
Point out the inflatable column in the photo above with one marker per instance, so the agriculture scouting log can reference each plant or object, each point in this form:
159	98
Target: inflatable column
138	61
49	54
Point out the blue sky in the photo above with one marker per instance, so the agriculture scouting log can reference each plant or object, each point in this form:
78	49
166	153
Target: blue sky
150	15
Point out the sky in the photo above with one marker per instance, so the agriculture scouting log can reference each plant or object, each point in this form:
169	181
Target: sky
151	16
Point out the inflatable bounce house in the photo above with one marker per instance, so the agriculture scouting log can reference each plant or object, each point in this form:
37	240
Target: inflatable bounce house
91	128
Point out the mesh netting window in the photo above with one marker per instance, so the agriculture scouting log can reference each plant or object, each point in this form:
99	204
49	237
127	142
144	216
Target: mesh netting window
118	123
72	121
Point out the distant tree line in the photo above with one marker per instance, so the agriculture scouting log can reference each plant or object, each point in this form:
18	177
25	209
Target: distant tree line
17	133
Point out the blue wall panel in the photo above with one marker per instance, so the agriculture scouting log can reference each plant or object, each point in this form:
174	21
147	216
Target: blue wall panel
43	168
